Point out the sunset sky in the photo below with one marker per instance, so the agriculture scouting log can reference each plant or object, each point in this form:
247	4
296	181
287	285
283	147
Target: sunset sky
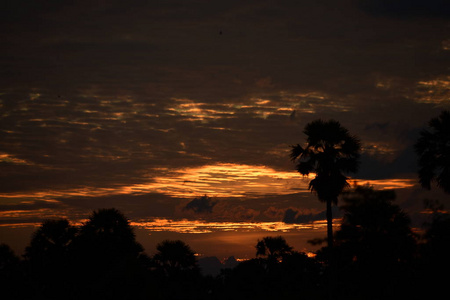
146	105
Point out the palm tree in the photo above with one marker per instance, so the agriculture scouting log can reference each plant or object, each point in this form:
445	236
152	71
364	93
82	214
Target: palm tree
433	148
330	152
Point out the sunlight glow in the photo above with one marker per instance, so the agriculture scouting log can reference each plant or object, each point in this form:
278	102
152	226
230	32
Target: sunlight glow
7	158
228	180
198	111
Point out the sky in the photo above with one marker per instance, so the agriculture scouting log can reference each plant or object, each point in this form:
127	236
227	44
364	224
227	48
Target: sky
147	105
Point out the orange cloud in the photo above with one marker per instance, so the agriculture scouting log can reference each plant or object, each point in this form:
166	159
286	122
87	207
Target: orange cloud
216	180
200	226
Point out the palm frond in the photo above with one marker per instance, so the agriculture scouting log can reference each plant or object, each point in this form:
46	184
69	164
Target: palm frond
306	167
296	152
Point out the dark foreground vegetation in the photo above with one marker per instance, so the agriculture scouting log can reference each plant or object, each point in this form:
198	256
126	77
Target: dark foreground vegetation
376	255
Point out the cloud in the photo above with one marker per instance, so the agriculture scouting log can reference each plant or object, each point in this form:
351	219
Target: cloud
201	205
274	213
294	216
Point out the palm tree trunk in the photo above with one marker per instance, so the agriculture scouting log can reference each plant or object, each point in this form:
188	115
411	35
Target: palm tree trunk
332	262
329	224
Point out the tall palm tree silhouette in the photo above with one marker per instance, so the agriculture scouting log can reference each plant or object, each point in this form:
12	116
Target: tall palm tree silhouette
330	152
433	148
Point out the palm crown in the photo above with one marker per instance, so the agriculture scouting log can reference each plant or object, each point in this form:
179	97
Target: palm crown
330	151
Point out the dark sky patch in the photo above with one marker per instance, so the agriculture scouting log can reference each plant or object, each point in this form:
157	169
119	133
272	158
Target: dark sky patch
407	8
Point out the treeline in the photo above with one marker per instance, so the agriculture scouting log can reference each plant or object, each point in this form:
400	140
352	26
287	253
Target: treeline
376	255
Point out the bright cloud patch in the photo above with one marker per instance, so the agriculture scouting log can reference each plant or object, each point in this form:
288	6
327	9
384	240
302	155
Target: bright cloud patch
434	91
199	226
225	180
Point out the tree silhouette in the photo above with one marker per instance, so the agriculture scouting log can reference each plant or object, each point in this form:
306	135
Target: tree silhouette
177	271
110	229
282	274
435	259
373	228
51	241
433	148
107	257
274	248
330	152
48	257
174	257
11	282
375	243
8	260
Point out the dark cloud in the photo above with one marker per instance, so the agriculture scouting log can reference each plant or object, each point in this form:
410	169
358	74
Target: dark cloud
392	166
293	216
201	205
407	8
135	206
30	206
